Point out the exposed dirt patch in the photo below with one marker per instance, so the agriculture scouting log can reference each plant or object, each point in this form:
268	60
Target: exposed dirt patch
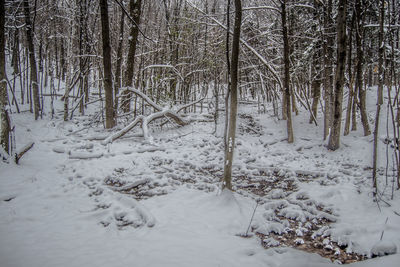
292	219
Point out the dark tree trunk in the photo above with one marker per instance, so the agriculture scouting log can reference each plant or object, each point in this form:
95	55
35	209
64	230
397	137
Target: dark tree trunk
135	7
316	68
286	81
334	138
107	80
4	120
32	60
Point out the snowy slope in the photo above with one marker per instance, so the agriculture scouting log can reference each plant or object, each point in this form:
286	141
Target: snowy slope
69	202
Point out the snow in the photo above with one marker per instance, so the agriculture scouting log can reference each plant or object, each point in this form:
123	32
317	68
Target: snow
383	248
70	200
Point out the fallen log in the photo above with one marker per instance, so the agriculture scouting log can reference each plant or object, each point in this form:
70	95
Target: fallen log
145	120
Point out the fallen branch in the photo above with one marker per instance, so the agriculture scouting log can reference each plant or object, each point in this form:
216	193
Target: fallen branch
21	152
85	155
142	95
145	120
133	185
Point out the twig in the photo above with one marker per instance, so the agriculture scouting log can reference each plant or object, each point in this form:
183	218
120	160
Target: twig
252	216
383	231
133	21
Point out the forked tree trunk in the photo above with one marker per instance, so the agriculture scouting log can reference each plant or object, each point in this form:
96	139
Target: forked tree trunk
4	120
229	149
32	60
334	138
107	80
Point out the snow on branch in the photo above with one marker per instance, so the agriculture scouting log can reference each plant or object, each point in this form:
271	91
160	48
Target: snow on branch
246	44
142	95
145	120
261	7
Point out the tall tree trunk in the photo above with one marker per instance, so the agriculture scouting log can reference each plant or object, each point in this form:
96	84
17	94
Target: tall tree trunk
119	62
328	77
316	68
350	73
4	120
32	60
286	82
359	72
334	138
107	80
135	7
380	93
233	103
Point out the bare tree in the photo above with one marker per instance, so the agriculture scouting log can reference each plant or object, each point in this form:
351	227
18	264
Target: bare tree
379	101
135	11
334	138
107	80
328	59
32	60
286	81
233	95
4	120
359	68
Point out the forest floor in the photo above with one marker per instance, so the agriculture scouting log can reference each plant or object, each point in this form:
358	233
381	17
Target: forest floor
73	201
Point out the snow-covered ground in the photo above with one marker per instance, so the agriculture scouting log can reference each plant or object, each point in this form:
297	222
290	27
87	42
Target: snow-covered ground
75	202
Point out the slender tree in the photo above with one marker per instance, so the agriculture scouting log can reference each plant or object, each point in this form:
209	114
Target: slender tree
135	7
119	62
379	101
4	120
334	138
233	95
328	59
316	68
107	80
286	80
359	68
32	60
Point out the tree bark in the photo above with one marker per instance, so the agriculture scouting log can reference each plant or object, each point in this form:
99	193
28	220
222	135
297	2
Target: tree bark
316	68
350	73
334	138
359	72
32	60
4	119
381	79
286	82
135	7
118	82
229	149
328	77
107	80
